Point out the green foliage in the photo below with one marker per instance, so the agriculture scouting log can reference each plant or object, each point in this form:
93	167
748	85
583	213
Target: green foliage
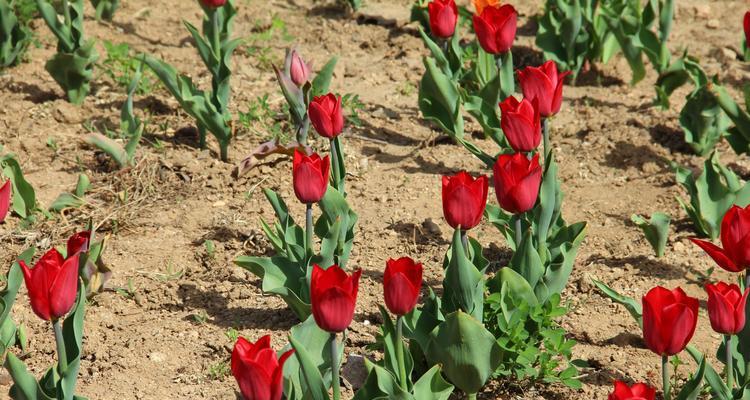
68	200
260	119
9	331
738	135
15	36
24	198
257	43
534	344
381	384
463	284
308	374
73	65
131	129
122	65
703	120
105	9
656	230
711	194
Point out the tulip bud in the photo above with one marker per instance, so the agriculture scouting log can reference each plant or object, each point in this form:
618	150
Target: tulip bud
5	192
52	284
333	294
326	115
213	3
299	70
639	391
258	371
545	85
726	307
310	176
517	181
402	282
480	5
79	242
496	28
521	124
464	200
669	320
735	239
746	27
443	17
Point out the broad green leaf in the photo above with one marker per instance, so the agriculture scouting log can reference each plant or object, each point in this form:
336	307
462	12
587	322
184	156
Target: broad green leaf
656	230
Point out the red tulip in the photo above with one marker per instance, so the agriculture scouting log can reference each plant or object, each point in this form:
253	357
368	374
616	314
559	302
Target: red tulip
545	85
517	181
402	282
464	200
257	369
521	123
746	26
496	28
669	320
213	3
300	71
443	17
333	294
52	284
735	238
5	192
726	307
639	391
326	116
79	242
310	176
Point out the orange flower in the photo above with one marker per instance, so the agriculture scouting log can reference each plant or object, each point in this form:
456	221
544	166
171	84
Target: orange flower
481	4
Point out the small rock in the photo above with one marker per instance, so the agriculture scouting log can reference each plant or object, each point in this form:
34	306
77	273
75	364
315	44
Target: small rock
584	283
354	371
702	11
679	247
68	113
712	24
157	357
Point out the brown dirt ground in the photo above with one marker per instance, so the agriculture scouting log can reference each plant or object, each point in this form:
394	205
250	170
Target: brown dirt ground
614	152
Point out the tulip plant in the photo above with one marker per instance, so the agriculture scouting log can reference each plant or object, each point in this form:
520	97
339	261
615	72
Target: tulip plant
669	318
73	65
209	108
105	9
14	36
746	38
54	292
16	194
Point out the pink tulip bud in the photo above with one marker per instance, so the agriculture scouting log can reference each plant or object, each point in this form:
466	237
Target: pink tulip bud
300	70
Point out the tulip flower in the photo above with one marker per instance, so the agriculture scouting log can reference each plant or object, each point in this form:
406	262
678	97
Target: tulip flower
5	192
496	28
258	370
545	85
213	3
521	124
310	176
333	294
639	391
299	70
464	200
517	181
480	5
52	284
669	320
726	307
735	239
746	27
443	17
79	242
402	282
326	115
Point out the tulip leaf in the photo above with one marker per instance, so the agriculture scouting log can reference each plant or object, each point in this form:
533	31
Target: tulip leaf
309	370
439	100
337	214
73	336
282	277
634	307
715	381
656	230
463	285
502	221
468	353
322	80
437	54
387	343
703	121
421	322
526	261
563	248
24	198
25	386
380	384
693	386
105	9
15	36
432	386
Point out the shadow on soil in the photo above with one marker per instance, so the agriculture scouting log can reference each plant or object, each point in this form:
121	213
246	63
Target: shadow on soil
643	265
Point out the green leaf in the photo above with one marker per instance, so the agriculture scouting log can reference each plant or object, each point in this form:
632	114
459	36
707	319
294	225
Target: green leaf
526	261
315	361
692	388
380	384
432	386
313	380
463	285
24	198
715	381
703	121
281	277
656	230
322	80
634	307
467	351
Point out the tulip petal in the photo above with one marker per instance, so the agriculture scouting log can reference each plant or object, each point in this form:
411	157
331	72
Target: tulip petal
333	310
679	324
63	290
718	254
5	192
320	120
253	381
400	295
277	383
37	289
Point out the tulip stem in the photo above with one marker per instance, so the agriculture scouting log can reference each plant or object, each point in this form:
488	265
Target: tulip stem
465	242
667	386
747	279
400	352
215	34
338	183
335	365
730	363
471	396
62	358
545	133
507	80
308	232
518	232
66	13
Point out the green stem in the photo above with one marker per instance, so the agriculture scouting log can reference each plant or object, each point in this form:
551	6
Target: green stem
471	396
465	241
338	183
519	235
308	232
62	358
507	80
224	150
730	363
400	353
335	365
747	279
302	131
215	34
545	135
66	14
666	385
